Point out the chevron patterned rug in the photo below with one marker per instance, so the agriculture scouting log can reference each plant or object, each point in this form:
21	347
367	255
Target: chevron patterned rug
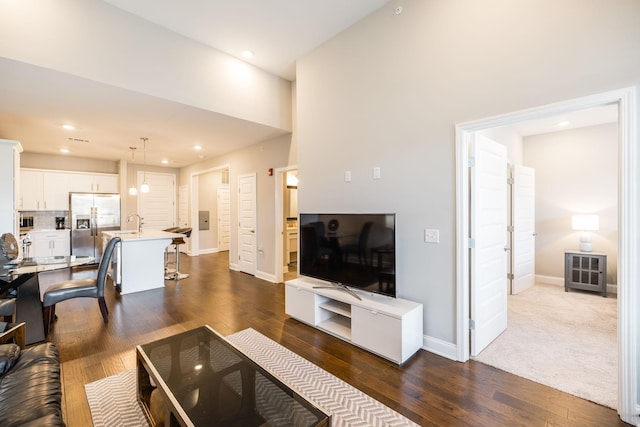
113	401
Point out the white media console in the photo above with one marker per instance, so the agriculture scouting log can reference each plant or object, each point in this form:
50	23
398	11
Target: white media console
388	327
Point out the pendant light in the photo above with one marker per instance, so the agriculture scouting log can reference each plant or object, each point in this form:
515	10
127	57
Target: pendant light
133	191
144	188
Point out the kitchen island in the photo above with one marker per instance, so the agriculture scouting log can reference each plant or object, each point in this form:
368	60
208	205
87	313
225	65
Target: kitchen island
138	264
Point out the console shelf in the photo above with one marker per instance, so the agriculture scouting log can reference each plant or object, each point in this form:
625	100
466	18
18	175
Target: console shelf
337	307
388	327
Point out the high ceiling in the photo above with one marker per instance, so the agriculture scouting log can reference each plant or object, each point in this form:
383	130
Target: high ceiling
35	101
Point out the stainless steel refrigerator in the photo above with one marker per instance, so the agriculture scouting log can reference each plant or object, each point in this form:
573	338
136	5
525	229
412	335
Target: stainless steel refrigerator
92	213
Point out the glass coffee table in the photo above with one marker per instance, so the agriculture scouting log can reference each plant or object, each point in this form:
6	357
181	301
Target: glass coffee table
198	378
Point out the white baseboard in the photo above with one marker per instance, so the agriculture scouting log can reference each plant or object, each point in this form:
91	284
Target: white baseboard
551	280
266	276
208	251
234	267
440	347
559	281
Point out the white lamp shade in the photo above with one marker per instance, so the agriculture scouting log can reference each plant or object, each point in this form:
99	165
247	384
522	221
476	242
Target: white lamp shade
585	222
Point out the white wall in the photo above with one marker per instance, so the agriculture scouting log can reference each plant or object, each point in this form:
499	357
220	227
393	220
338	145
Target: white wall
388	92
576	173
208	201
258	158
100	42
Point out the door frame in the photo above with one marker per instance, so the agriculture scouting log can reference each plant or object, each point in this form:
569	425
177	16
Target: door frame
279	223
194	190
628	229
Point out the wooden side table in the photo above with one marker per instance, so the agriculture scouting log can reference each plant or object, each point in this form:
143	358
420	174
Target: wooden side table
586	271
14	332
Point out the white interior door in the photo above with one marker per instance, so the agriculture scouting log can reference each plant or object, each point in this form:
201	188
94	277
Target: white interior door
224	215
158	206
488	228
523	250
247	223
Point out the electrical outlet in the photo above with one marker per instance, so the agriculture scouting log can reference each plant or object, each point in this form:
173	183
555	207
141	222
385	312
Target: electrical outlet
347	176
376	173
431	235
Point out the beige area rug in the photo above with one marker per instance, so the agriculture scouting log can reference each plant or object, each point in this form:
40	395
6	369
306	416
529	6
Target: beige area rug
566	340
112	400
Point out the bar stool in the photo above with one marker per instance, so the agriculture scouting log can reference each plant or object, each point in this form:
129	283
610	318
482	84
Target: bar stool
7	309
167	270
177	241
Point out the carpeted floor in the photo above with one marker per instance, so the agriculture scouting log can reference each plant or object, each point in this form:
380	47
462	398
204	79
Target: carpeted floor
566	340
113	401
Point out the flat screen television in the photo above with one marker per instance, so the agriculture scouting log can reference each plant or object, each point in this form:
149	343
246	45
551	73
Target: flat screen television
350	251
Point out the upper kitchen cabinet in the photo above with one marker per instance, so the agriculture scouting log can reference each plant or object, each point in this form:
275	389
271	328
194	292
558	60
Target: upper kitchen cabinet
49	190
94	183
44	191
9	179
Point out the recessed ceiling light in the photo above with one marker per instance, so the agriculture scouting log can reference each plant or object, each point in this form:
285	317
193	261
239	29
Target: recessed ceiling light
248	54
68	127
197	147
64	150
563	123
165	162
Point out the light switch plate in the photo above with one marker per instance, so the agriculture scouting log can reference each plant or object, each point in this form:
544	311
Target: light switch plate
431	235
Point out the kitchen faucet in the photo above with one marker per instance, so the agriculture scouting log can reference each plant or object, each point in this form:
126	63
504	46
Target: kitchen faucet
139	221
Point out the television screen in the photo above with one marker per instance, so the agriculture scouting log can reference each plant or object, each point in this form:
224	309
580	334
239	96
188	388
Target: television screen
350	250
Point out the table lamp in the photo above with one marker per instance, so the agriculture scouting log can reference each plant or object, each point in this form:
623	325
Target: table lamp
585	223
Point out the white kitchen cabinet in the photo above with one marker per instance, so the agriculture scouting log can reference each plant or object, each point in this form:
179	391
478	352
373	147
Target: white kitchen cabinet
56	193
49	190
94	183
31	190
9	178
42	190
50	243
105	183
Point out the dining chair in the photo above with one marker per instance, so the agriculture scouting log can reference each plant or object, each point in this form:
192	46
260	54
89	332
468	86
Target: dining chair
7	309
359	248
80	288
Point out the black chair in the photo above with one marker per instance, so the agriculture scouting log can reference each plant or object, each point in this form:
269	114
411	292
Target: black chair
317	246
80	288
7	309
359	248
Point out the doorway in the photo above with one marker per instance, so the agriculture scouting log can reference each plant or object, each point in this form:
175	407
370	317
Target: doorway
210	213
628	177
551	331
286	215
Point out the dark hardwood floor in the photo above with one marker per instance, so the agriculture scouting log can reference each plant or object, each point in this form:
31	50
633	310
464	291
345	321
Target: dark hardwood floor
428	389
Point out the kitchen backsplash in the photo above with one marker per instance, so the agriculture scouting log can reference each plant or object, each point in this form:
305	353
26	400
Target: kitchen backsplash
45	220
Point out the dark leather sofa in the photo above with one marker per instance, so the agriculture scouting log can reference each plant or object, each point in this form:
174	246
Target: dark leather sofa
30	388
